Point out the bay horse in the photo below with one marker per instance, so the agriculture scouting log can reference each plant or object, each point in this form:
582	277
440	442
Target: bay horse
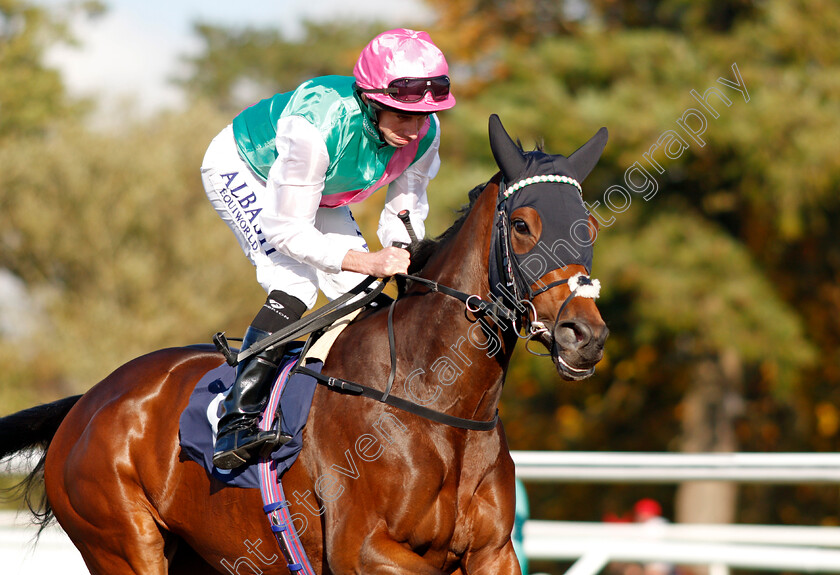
380	490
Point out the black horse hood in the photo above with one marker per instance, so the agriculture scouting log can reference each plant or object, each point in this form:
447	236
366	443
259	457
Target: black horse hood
550	184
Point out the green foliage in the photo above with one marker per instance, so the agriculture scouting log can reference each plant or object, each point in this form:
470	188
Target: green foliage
685	16
119	242
238	67
690	281
33	95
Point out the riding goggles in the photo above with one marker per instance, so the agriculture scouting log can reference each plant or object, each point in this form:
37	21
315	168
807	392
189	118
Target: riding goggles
411	90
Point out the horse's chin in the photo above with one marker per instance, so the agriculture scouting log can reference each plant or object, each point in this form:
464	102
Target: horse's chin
568	372
565	369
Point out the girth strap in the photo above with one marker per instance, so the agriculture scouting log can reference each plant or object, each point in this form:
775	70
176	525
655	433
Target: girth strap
338	384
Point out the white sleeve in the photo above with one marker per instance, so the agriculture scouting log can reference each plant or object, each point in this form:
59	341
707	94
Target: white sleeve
293	193
408	192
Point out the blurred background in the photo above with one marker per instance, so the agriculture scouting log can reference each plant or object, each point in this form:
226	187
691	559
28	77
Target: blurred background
721	290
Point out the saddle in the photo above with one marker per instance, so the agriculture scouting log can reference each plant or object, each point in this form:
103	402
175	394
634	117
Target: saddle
293	390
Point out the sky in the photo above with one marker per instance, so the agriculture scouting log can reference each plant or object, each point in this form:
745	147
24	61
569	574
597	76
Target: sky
128	54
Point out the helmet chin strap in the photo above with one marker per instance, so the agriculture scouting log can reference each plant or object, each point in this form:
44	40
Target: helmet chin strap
372	106
371	110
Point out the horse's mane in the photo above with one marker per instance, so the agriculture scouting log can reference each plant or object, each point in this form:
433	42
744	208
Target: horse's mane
423	250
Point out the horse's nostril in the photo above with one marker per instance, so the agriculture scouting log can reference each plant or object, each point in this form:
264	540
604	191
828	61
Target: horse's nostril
583	333
572	334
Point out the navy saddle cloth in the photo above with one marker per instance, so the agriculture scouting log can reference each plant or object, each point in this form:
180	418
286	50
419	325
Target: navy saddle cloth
199	420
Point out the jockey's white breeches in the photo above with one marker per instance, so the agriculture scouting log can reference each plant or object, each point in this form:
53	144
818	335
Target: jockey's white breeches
237	195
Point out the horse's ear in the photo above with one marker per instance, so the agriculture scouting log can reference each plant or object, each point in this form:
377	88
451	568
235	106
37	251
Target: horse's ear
507	154
585	157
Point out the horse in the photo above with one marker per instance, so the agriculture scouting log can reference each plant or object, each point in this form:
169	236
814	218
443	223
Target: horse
375	489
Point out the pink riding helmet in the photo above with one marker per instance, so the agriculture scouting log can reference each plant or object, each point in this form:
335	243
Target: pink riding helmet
402	53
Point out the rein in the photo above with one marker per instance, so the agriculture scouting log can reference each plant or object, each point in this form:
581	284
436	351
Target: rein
481	306
353	388
320	319
509	290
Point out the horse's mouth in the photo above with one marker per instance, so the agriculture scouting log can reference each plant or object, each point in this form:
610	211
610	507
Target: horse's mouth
567	368
568	372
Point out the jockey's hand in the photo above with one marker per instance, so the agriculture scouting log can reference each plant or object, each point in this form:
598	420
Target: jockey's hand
384	263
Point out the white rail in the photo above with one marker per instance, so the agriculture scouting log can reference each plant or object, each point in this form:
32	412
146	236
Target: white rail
593	545
797	549
623	467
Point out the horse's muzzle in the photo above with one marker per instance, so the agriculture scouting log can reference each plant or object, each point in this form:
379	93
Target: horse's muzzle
577	347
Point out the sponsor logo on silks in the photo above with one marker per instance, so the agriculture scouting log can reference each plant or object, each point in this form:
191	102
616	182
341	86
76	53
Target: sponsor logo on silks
370	128
242	205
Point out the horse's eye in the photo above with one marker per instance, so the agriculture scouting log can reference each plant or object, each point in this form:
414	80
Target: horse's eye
519	226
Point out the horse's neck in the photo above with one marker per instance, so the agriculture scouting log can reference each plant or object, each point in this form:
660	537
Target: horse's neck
462	263
475	356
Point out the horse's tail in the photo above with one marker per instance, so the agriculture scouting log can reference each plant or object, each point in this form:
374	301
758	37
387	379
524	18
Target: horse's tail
29	433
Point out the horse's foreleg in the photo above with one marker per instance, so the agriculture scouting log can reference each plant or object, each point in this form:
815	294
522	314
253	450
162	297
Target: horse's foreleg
380	555
488	561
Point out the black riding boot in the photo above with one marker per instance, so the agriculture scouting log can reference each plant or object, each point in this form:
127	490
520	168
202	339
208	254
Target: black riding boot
239	438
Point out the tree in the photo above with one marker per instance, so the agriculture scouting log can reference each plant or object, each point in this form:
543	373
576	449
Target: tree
239	66
33	94
33	99
116	237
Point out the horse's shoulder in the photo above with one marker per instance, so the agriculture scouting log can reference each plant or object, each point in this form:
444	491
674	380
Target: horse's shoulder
369	323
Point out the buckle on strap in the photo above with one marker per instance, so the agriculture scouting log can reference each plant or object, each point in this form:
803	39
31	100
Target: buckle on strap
221	343
272	507
337	383
331	382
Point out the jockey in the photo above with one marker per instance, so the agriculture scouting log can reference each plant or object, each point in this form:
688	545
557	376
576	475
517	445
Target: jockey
282	176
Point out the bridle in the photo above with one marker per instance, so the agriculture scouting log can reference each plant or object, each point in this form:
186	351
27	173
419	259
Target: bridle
511	296
510	285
